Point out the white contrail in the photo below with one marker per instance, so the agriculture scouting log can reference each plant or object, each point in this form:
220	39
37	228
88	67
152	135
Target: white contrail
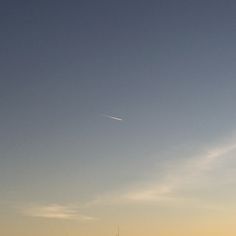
113	117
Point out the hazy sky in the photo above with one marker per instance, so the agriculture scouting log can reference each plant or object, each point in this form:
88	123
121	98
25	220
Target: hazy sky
118	112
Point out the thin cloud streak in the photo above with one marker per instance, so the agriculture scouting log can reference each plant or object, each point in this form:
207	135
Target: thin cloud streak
113	117
55	211
165	191
187	172
162	192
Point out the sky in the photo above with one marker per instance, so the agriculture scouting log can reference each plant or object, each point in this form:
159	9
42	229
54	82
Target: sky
117	113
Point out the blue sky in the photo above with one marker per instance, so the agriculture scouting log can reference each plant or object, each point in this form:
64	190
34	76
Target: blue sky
165	69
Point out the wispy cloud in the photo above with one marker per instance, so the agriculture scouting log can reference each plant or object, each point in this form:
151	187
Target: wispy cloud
184	173
164	192
112	117
191	169
55	211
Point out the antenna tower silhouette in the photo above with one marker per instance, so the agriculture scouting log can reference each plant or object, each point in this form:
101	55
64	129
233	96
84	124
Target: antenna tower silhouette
118	231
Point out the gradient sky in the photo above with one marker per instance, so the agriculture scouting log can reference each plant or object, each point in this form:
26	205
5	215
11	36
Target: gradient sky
118	112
